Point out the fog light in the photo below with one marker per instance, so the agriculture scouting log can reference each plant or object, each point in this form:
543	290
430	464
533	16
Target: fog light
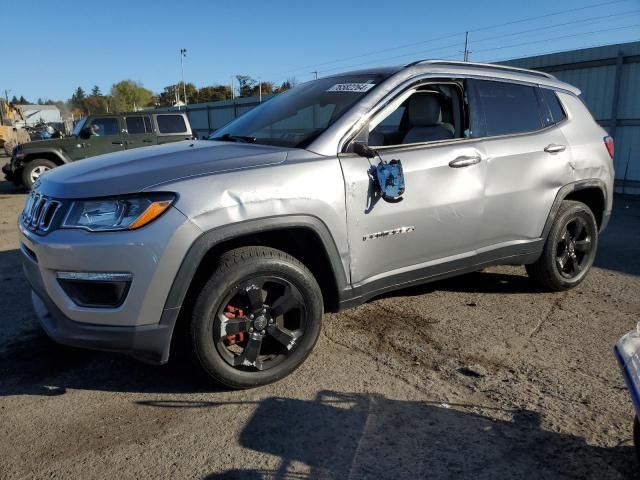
95	289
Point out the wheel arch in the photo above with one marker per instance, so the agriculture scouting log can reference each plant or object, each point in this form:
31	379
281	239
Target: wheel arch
53	154
592	192
304	237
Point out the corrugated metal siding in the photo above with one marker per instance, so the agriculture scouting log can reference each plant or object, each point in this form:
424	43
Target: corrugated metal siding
597	83
626	155
629	106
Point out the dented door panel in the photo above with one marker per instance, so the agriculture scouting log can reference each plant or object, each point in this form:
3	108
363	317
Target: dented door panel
437	218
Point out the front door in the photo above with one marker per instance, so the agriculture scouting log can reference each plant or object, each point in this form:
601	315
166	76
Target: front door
106	137
441	210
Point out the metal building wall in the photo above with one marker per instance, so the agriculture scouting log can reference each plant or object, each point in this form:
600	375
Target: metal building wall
609	78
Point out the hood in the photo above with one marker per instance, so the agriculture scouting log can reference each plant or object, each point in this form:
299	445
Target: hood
49	143
136	170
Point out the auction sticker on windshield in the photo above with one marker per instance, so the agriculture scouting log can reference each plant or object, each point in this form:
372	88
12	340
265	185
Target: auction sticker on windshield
351	87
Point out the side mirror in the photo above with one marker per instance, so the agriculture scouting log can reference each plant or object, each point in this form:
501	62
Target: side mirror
363	150
390	180
85	133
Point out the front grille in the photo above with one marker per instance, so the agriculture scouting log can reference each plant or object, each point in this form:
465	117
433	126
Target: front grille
39	212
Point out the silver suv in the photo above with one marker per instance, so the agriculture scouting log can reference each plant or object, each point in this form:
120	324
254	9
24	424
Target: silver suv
318	200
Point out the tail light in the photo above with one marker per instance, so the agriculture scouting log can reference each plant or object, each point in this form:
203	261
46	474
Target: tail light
608	142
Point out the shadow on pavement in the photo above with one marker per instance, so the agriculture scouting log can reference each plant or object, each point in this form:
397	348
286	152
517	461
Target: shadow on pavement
339	436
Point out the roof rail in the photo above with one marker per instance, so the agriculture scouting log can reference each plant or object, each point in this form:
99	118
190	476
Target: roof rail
491	66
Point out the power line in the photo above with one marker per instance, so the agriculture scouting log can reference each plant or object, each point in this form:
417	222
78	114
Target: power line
457	34
558	38
483	50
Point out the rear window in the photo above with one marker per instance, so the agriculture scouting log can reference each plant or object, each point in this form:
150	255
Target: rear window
171	124
505	108
553	112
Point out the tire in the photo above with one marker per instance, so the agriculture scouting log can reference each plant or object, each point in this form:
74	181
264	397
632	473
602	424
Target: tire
32	170
257	300
569	250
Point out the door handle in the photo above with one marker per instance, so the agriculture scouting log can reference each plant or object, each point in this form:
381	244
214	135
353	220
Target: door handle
553	148
464	161
116	143
147	141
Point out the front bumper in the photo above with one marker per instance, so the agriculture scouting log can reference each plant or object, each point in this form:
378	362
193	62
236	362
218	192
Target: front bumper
142	325
149	343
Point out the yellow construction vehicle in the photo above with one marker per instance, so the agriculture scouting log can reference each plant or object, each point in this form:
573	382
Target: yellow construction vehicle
10	133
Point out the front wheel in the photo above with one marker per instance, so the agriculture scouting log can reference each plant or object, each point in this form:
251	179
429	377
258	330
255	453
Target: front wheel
257	318
34	169
569	250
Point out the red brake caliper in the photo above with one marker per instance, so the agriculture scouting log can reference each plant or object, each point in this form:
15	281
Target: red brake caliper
233	312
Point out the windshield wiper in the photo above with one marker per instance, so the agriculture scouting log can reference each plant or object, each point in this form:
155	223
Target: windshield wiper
236	138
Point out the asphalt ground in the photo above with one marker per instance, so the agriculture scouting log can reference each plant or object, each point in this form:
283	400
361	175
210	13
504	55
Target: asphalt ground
481	376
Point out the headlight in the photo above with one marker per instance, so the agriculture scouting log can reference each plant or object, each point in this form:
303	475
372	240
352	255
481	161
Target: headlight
122	213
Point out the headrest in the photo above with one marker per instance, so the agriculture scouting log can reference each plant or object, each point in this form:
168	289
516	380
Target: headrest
424	110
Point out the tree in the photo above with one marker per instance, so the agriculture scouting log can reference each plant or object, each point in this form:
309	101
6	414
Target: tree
214	93
23	101
77	101
97	104
130	96
246	85
288	84
95	91
14	100
267	88
175	93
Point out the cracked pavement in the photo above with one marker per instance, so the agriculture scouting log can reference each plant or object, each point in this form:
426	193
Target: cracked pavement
480	376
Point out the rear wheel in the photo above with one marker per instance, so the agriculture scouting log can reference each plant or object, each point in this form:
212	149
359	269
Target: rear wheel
34	169
570	248
257	318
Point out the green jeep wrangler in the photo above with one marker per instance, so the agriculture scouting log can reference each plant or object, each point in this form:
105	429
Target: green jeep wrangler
96	135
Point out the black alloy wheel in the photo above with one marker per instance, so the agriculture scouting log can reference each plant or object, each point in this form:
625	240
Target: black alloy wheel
574	247
256	319
260	323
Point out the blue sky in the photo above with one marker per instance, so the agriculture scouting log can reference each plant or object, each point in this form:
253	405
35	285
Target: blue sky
62	44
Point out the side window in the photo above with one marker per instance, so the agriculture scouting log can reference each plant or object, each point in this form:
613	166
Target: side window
171	124
101	127
138	125
552	110
505	108
430	113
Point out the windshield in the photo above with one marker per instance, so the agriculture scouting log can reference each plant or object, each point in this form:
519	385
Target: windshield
296	117
79	125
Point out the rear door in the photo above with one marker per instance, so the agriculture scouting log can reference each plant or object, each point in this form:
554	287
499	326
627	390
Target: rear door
139	131
528	158
106	136
171	127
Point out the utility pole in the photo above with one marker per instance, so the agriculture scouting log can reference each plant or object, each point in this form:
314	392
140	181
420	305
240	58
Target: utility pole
466	46
233	96
183	54
315	72
260	89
